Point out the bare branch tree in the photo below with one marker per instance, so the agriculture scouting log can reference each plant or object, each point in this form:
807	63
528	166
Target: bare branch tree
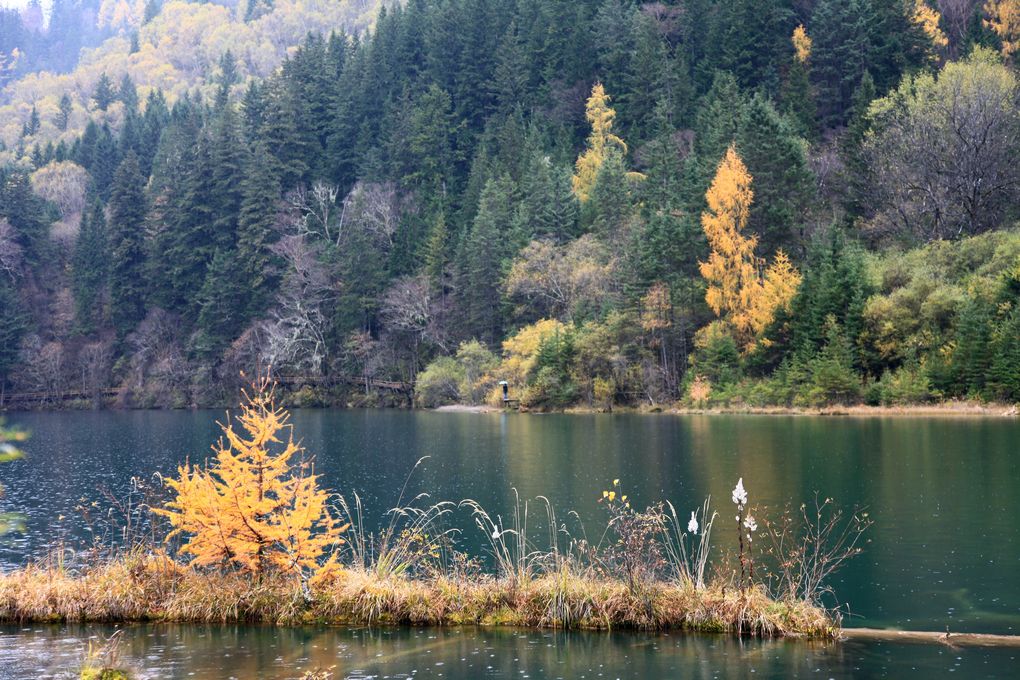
10	250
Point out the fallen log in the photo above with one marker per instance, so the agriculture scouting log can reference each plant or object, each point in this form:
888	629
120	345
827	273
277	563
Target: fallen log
929	637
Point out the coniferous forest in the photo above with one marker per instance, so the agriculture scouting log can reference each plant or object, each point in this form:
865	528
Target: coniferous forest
601	202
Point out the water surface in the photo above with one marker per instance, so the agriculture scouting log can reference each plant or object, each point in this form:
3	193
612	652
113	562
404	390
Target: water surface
250	653
945	549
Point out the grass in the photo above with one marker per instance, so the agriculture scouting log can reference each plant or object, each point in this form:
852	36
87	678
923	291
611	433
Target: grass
150	586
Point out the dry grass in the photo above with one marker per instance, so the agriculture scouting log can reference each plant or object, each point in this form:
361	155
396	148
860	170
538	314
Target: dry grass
143	587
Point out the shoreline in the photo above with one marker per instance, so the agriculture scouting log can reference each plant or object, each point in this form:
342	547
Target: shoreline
942	410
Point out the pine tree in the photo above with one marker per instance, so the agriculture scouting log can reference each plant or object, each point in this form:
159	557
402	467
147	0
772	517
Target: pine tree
775	157
13	325
485	249
798	97
609	208
1004	376
222	304
128	94
437	258
280	133
256	220
104	94
972	356
128	285
64	112
89	269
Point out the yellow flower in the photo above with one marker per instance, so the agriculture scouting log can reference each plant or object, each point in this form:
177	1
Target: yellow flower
616	482
612	495
605	494
623	498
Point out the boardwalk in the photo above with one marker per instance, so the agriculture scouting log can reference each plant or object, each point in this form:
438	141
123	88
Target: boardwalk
28	399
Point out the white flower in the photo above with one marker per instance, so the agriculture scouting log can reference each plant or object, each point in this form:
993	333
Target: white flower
750	524
739	495
692	526
495	534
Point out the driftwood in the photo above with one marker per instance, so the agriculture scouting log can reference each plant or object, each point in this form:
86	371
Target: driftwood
928	637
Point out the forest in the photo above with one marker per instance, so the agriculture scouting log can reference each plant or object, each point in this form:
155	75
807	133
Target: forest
601	202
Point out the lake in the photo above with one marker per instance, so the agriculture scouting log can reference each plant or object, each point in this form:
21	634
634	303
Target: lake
943	492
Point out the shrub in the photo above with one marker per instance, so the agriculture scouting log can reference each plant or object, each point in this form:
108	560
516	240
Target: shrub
440	383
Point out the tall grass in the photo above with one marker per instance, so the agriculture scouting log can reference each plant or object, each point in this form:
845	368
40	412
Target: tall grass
649	570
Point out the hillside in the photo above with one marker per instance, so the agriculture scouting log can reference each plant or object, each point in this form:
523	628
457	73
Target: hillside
175	51
600	202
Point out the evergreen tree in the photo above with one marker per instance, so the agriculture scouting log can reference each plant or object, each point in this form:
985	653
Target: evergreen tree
255	223
13	325
104	94
128	94
437	248
222	311
972	356
486	247
126	235
280	133
775	157
89	269
64	110
1004	376
608	211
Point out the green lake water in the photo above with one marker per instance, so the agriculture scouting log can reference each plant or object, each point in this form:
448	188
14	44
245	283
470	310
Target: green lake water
944	551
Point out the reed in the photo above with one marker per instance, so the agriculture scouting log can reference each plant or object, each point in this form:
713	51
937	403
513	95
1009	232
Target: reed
153	587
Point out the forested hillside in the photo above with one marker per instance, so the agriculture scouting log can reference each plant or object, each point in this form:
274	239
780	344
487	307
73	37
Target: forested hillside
792	202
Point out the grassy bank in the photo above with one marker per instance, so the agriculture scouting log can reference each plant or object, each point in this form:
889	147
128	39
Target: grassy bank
154	587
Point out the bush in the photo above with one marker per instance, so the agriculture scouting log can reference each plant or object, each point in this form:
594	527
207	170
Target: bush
716	356
908	384
440	383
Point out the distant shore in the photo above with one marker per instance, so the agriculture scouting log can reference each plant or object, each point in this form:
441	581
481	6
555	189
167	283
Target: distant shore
964	409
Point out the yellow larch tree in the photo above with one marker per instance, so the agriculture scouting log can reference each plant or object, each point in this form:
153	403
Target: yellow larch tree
737	290
1004	19
600	142
928	18
257	507
801	44
778	287
732	267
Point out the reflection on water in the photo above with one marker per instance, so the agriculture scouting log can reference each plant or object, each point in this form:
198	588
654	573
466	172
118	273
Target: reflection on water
248	653
945	549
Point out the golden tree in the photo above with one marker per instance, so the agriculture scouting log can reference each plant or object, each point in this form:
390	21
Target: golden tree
778	287
732	267
736	288
1004	19
801	44
928	20
257	506
600	142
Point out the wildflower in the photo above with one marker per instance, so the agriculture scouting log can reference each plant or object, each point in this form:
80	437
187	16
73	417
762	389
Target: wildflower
739	495
495	534
616	482
623	498
750	524
612	496
692	526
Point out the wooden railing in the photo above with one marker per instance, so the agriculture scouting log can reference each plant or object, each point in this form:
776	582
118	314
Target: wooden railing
29	398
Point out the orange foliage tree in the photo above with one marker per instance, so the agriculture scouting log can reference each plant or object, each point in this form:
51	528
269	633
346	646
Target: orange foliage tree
1004	19
737	288
257	506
